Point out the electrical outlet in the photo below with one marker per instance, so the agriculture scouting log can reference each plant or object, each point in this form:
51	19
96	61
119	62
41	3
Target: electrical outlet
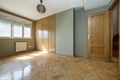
0	62
30	46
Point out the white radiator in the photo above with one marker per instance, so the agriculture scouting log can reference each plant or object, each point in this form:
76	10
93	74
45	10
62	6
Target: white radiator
21	46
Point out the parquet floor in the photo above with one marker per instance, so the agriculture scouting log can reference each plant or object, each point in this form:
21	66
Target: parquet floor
41	66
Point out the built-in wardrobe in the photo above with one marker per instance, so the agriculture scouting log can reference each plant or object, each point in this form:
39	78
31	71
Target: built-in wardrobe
45	34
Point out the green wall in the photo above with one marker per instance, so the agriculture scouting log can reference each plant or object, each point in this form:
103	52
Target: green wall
64	33
7	46
81	29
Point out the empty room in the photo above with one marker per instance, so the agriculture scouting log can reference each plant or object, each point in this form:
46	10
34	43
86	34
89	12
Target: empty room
59	40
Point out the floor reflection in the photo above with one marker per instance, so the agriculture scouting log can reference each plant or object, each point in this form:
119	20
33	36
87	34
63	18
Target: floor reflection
18	70
17	74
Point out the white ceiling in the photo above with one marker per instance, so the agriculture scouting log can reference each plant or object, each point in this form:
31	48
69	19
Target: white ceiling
90	4
27	8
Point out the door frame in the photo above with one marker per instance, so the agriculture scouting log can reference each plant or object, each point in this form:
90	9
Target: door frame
119	32
110	17
110	39
110	10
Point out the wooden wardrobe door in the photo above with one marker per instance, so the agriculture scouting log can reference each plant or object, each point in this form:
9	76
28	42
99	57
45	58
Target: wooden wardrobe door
39	35
45	34
52	34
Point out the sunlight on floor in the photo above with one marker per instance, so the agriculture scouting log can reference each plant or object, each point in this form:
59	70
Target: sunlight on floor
24	58
35	54
32	55
43	52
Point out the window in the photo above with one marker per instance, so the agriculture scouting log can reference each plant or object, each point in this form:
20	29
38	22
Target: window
14	27
27	31
5	28
17	30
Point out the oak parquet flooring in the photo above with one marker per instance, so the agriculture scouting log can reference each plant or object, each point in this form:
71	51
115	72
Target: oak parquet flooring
56	67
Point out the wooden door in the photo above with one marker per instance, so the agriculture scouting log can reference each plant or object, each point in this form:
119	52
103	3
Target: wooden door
98	36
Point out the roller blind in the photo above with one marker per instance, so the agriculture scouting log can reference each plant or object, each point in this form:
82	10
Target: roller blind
27	31
5	27
17	29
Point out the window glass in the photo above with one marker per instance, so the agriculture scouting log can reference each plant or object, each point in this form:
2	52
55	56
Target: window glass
27	31
17	32
5	28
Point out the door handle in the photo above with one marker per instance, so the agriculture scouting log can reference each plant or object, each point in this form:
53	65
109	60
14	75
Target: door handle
89	37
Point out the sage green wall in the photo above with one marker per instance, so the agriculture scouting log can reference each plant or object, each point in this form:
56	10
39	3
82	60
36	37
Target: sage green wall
7	46
64	33
81	29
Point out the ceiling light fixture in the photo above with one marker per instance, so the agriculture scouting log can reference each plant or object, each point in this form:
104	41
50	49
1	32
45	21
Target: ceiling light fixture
40	7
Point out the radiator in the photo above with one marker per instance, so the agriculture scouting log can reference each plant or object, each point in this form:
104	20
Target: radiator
21	46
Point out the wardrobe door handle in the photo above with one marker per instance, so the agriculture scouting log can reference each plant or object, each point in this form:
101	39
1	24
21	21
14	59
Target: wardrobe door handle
89	37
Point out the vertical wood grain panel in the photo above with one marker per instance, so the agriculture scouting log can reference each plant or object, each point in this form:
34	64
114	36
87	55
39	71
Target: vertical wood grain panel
45	34
51	33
